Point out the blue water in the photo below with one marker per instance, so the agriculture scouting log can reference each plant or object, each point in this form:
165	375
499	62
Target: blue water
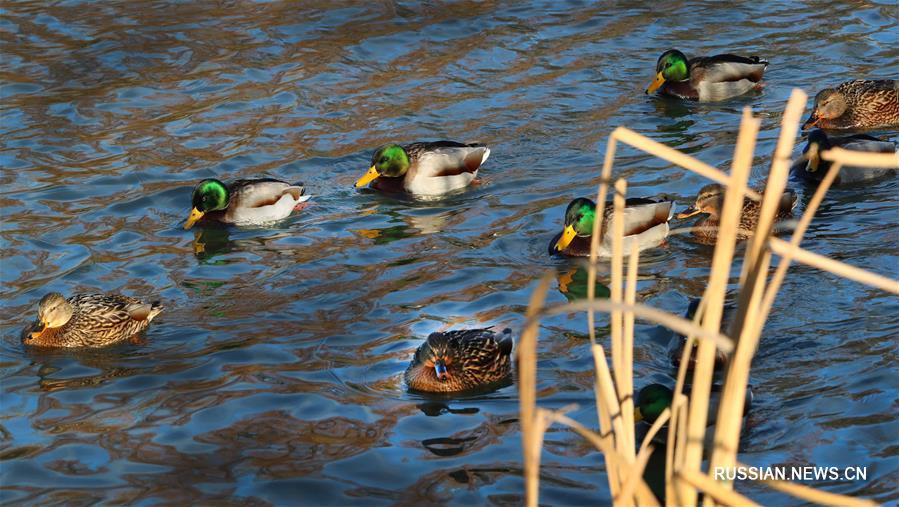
274	374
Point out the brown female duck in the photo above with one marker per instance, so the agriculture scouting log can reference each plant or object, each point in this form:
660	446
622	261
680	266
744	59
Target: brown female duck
858	104
461	361
89	320
711	198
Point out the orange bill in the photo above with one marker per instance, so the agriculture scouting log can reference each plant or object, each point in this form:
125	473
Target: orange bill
370	176
657	82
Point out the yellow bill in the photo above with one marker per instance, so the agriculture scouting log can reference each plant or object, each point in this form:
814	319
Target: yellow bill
659	81
195	215
638	416
689	212
370	176
814	159
567	237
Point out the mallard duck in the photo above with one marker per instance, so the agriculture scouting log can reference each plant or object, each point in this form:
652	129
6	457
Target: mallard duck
245	202
89	320
676	348
424	168
653	399
858	104
461	361
707	78
811	167
645	225
711	198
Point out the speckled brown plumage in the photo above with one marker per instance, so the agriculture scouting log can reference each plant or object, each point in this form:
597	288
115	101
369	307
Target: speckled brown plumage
96	320
710	200
468	359
857	105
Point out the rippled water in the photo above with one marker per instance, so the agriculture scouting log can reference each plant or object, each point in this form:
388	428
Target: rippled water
274	375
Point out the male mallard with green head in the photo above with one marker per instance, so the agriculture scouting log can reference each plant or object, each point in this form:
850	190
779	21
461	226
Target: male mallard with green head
856	105
710	200
244	202
645	226
89	320
461	361
812	168
432	168
653	399
707	78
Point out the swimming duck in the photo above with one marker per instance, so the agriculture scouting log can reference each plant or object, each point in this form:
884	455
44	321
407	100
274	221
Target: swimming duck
431	168
676	347
645	225
245	202
711	198
858	104
812	168
707	78
653	399
460	361
89	320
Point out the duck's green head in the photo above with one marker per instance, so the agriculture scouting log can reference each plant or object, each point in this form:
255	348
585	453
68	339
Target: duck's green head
390	160
209	195
578	221
672	66
652	400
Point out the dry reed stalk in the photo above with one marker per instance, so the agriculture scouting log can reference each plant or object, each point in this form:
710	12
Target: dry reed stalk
617	280
861	158
715	292
679	439
644	312
799	231
605	445
715	490
669	154
627	389
654	429
782	248
610	400
531	434
752	277
601	193
601	387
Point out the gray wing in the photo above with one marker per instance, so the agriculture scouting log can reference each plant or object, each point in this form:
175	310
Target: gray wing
447	158
261	192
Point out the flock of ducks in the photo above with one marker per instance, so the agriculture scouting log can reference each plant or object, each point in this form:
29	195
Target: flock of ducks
464	360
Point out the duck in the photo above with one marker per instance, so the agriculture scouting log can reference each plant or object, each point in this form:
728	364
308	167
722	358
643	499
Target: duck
811	168
711	198
89	320
461	360
653	399
857	105
245	202
424	168
676	347
645	226
706	78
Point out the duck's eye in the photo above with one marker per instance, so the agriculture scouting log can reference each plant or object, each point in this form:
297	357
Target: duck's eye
383	160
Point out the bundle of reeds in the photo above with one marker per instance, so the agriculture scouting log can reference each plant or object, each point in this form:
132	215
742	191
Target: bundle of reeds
686	419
